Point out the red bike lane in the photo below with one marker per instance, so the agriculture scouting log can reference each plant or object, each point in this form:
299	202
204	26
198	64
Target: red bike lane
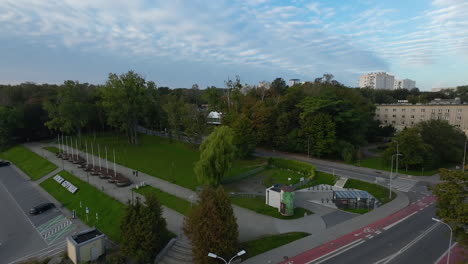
356	237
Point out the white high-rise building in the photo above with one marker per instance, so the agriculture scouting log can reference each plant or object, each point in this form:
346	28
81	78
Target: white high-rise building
377	80
404	84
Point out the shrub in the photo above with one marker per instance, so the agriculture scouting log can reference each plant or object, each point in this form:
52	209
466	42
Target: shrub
293	165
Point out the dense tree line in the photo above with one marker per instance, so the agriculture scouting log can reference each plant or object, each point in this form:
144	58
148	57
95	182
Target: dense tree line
323	118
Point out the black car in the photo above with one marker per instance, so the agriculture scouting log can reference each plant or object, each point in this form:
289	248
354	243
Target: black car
4	163
41	208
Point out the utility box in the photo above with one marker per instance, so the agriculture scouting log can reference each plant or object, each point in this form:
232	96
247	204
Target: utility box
85	246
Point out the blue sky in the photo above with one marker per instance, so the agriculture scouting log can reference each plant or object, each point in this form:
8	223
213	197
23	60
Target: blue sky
179	43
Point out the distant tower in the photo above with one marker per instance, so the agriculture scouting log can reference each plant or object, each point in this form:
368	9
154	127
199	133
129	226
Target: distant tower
294	81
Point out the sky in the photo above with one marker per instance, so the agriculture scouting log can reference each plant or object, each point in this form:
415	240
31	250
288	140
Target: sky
179	43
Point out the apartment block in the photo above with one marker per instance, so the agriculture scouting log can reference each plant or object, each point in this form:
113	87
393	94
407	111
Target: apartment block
404	84
377	80
408	115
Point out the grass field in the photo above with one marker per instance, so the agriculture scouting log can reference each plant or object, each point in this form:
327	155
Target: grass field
379	192
110	211
379	163
29	162
158	157
264	244
279	176
258	205
52	149
180	205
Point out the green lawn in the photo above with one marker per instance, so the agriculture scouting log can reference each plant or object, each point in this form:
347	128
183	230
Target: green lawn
264	244
52	149
378	191
29	162
158	157
110	211
321	178
279	176
180	205
258	205
379	163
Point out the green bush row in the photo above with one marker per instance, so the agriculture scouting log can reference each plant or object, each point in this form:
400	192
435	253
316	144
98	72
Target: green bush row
293	165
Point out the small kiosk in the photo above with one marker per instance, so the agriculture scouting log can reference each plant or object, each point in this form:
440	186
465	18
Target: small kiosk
281	197
85	246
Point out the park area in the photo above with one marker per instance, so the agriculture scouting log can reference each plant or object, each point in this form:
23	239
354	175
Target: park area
29	162
159	157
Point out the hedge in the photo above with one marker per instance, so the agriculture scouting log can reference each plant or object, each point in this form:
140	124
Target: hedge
293	165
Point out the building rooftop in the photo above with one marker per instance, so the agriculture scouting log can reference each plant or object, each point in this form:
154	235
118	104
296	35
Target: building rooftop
86	235
352	194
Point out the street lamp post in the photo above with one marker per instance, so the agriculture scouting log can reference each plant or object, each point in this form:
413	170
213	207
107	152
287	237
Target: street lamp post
464	155
450	241
240	253
390	179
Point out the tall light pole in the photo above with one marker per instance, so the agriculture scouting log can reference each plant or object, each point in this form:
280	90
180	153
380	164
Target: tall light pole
240	253
464	155
391	171
398	153
450	241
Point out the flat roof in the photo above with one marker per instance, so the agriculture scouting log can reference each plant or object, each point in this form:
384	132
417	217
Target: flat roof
352	194
86	235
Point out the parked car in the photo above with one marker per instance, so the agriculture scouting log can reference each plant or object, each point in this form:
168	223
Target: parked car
38	209
4	163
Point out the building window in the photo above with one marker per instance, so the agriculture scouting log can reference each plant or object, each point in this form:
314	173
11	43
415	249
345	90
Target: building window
412	122
386	110
440	110
393	115
433	110
403	116
413	110
377	115
459	110
394	109
446	117
458	117
385	121
385	115
393	122
423	110
403	110
402	122
412	116
447	110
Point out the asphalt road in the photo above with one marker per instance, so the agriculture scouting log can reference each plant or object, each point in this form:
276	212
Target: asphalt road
18	236
22	234
416	240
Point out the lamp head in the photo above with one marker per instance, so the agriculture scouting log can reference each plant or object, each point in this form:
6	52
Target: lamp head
435	219
211	255
242	252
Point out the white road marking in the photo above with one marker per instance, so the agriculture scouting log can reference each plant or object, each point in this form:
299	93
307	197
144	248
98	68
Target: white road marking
336	252
399	221
410	244
445	253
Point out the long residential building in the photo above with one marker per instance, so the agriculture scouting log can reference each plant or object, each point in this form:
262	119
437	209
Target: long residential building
408	115
377	80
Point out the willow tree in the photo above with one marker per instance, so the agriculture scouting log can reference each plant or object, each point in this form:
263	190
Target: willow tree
217	153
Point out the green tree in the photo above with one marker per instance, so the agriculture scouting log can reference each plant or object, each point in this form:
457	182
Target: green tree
415	152
320	129
212	226
452	206
447	141
144	230
213	96
244	136
217	153
123	98
174	111
72	109
9	121
195	122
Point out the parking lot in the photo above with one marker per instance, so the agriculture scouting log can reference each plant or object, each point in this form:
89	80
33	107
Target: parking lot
22	234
